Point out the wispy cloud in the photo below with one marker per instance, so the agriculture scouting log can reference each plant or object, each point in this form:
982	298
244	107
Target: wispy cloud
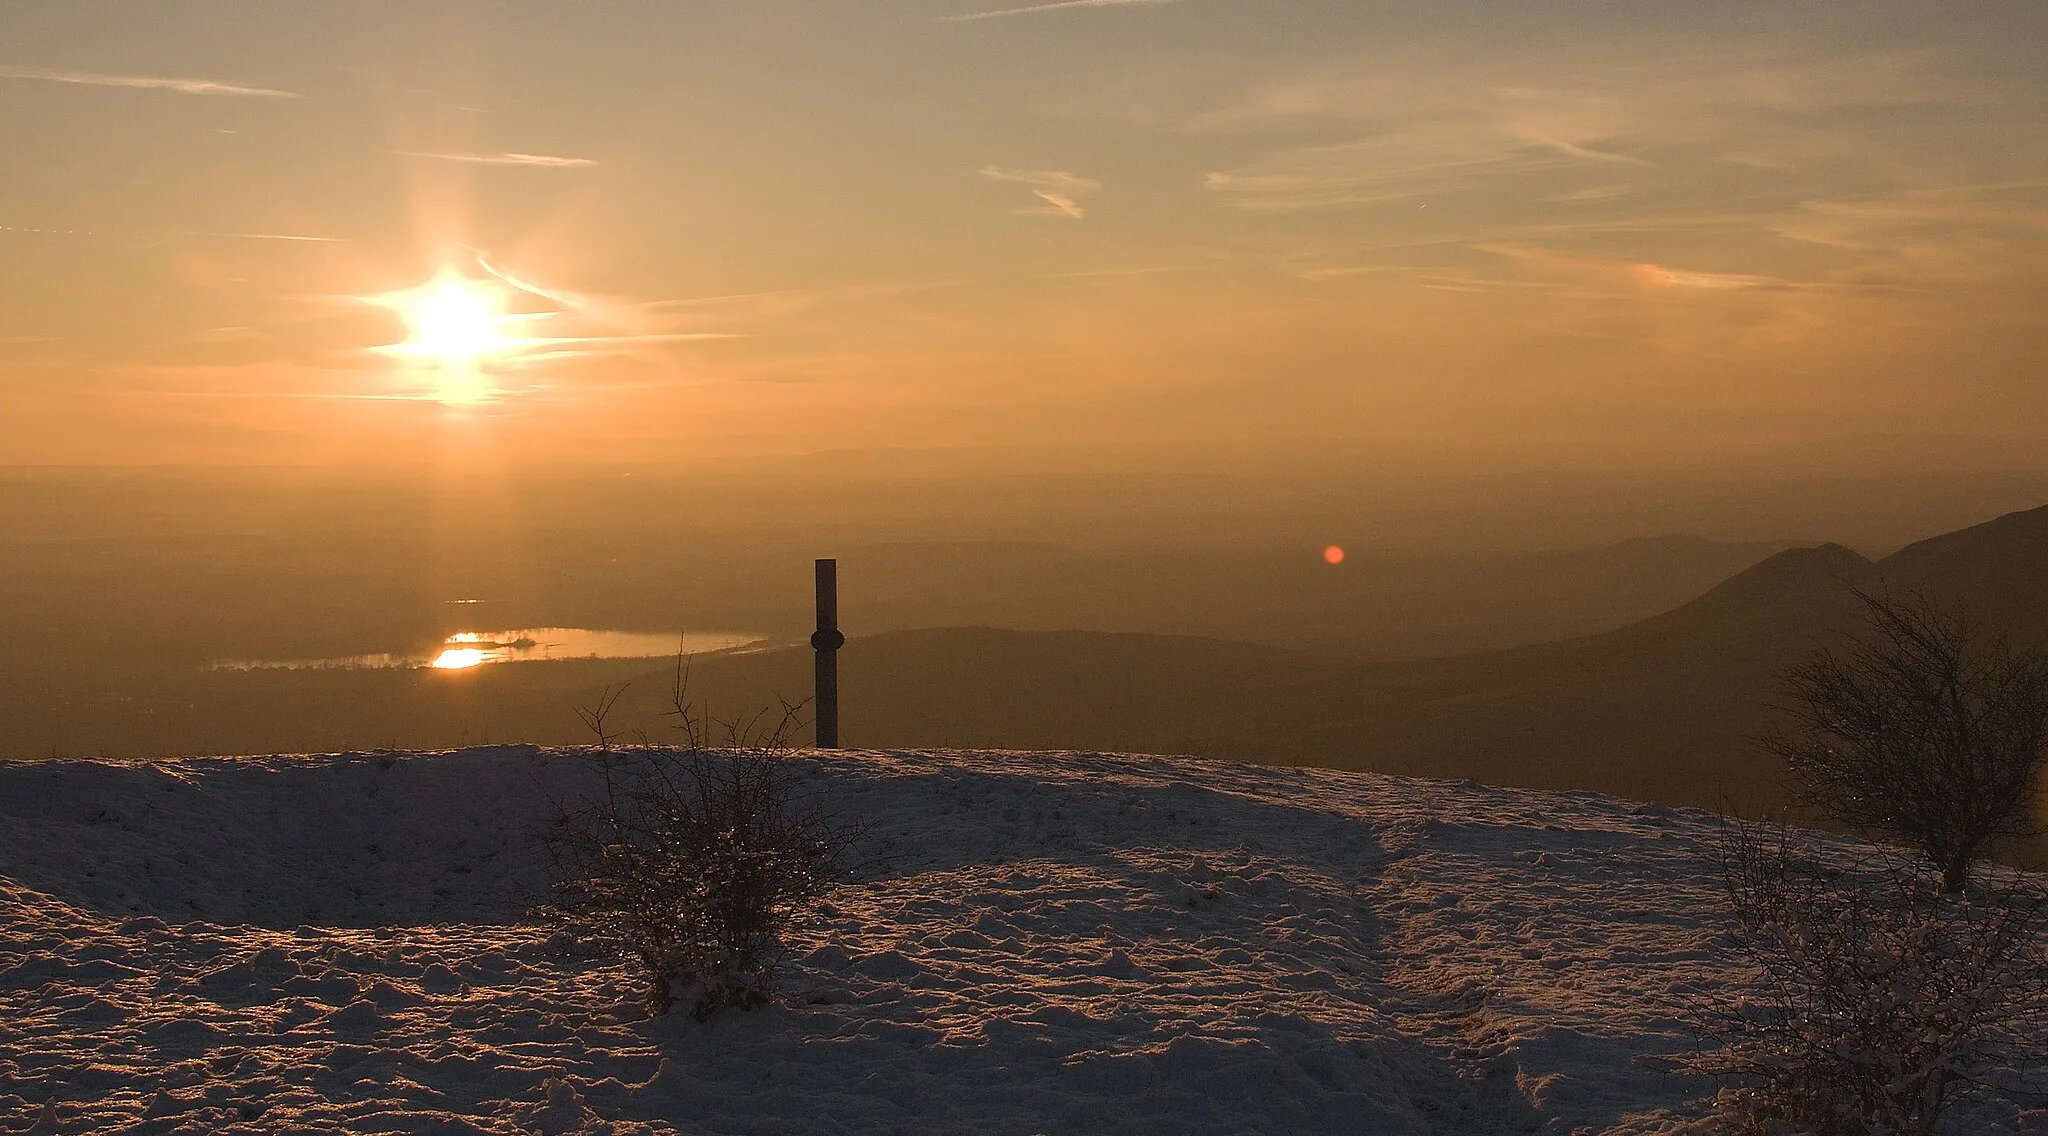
1031	9
1664	277
276	237
230	335
1588	275
153	236
1745	178
1396	167
49	232
146	82
1111	273
1456	136
539	161
1060	190
1566	125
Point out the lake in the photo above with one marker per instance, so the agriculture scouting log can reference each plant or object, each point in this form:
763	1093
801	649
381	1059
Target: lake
466	649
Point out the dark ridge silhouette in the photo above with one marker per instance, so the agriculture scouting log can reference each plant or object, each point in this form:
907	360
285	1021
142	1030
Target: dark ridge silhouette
1797	589
1794	575
1999	568
1666	708
2013	536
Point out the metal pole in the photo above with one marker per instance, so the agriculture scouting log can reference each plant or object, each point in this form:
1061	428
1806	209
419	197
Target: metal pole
826	643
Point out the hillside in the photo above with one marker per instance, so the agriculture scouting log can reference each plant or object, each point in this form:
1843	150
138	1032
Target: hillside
2000	567
1667	707
1664	708
1038	942
106	637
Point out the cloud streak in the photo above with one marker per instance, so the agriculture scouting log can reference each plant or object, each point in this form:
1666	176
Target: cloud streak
291	237
1060	190
1058	5
146	82
533	161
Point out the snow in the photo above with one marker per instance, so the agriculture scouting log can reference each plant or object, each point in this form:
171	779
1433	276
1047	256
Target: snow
1036	943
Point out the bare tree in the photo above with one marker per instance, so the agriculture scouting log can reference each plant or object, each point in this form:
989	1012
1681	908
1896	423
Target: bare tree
1930	728
1877	1000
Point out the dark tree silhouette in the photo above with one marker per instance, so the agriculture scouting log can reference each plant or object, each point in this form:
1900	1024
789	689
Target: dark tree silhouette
1929	728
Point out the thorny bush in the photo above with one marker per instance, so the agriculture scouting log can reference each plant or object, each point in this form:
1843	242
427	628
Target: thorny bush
690	863
1880	998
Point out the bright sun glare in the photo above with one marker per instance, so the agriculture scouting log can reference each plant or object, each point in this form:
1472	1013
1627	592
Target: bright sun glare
458	655
454	324
454	320
458	658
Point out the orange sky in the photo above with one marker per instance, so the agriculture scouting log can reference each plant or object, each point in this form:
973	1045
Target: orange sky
1560	235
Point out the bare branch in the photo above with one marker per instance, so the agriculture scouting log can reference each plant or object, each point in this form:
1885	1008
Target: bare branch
594	717
1880	998
1930	729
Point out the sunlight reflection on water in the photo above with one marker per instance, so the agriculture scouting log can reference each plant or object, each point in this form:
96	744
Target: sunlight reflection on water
466	649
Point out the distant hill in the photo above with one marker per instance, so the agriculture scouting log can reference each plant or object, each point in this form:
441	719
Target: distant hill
1999	567
1379	604
105	640
1665	708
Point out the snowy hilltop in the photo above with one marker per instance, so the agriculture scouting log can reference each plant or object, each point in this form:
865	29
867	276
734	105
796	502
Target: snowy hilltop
1034	943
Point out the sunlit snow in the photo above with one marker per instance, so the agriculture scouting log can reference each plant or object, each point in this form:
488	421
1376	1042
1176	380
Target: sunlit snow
1036	943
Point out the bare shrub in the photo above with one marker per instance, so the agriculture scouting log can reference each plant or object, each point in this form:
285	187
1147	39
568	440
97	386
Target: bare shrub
1880	999
1931	729
770	730
597	716
690	863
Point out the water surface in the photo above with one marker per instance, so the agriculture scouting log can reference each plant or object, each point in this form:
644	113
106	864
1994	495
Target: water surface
466	649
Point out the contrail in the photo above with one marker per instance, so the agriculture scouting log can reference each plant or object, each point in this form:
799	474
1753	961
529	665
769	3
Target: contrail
1053	7
147	82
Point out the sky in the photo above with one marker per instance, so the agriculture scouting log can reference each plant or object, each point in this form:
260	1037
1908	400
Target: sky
1459	234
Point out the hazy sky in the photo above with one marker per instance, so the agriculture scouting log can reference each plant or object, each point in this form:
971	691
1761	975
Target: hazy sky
1483	233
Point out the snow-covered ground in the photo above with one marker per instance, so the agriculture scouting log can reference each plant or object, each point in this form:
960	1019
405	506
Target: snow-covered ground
1041	943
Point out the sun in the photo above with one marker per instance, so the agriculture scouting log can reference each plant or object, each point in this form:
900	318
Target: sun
454	319
454	324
